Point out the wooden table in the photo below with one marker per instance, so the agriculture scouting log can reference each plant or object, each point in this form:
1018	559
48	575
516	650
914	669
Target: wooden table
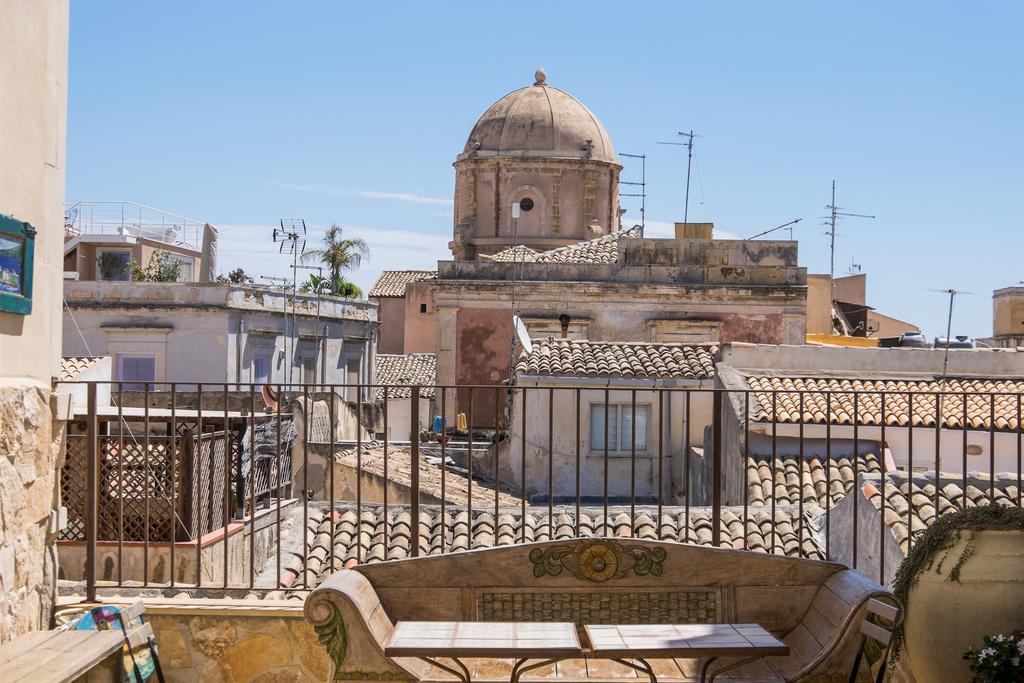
429	640
622	643
57	655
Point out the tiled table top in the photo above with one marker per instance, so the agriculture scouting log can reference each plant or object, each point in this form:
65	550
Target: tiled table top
483	639
684	641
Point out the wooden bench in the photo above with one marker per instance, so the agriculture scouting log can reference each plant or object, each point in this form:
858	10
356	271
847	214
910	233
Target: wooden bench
814	608
69	655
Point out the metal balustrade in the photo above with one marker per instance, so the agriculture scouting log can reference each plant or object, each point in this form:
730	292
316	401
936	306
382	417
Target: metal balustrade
189	475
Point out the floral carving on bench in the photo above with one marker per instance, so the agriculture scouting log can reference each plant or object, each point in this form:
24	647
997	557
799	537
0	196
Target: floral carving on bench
597	561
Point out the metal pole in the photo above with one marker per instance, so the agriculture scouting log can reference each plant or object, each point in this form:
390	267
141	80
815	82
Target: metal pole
91	493
716	471
689	159
414	495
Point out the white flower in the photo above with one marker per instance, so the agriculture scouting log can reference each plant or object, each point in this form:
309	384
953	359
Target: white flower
1016	661
1020	646
987	652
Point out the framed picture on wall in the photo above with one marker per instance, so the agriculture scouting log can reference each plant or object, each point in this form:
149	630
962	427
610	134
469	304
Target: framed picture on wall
17	249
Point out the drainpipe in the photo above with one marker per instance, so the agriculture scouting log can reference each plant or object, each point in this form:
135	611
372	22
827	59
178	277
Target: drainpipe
238	351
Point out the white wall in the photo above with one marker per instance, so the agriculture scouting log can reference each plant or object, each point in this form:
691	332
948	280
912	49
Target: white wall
667	439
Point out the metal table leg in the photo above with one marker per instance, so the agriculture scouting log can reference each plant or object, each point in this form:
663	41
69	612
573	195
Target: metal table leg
518	669
461	675
645	669
730	667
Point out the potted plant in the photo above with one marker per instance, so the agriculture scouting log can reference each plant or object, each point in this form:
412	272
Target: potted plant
1001	658
960	582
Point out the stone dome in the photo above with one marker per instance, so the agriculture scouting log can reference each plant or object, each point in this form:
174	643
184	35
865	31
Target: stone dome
539	121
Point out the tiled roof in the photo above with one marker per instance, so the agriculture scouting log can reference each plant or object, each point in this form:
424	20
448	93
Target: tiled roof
793	479
603	249
391	539
897	401
393	282
516	254
72	366
412	368
456	481
901	492
574	357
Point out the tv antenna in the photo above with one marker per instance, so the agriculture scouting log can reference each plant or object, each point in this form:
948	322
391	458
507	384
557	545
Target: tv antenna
778	227
949	326
830	221
642	194
689	160
855	268
288	235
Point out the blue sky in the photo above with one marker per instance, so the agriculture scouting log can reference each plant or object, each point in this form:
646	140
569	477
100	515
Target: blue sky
241	113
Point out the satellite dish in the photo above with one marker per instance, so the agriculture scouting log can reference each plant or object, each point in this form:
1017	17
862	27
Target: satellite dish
522	333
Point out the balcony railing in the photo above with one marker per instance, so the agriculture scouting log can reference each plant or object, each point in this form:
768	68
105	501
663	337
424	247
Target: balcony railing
241	487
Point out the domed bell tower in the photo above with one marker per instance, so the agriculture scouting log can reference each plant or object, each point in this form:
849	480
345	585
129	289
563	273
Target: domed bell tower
541	148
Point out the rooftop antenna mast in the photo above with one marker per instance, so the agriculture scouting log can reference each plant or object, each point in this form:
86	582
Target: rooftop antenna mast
642	184
778	227
291	232
949	327
689	162
831	222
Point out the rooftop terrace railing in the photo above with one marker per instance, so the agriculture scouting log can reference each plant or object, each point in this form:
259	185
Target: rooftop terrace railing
241	487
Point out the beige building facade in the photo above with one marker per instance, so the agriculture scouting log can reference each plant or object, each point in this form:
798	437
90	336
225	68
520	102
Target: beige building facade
1007	318
33	77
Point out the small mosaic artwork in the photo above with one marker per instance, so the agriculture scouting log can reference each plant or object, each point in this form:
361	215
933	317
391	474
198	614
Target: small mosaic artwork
638	607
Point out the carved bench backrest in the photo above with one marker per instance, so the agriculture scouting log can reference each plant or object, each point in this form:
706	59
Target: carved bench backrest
826	641
354	628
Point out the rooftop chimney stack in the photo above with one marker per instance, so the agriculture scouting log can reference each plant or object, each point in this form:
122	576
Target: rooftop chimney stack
694	231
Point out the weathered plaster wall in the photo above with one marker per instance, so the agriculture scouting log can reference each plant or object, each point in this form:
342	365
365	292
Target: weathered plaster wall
669	435
392	325
33	74
420	334
568	194
1008	311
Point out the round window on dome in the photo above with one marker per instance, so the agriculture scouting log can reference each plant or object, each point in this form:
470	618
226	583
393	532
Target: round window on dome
525	204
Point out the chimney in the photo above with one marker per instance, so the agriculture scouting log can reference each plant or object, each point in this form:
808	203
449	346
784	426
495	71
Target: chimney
694	231
564	321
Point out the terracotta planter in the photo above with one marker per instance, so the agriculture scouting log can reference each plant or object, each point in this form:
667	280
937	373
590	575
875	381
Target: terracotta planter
946	618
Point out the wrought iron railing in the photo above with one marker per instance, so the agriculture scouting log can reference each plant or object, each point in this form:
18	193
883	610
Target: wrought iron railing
276	487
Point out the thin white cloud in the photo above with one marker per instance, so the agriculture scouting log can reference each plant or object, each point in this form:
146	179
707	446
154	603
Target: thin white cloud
403	197
367	194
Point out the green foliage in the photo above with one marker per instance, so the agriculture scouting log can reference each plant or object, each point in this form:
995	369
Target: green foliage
322	285
933	547
338	254
1000	659
238	276
162	267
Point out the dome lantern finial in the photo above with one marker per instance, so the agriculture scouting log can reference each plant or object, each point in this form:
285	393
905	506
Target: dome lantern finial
541	76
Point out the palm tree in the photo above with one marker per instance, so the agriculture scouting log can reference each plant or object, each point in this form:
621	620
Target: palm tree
338	254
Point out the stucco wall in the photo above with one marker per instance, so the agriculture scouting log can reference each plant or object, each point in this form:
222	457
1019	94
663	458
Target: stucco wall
1008	311
33	78
420	327
392	325
212	332
668	432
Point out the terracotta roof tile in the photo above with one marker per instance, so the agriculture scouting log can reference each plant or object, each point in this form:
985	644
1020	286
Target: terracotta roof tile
793	479
393	282
383	537
413	368
912	500
848	400
72	366
574	357
604	249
